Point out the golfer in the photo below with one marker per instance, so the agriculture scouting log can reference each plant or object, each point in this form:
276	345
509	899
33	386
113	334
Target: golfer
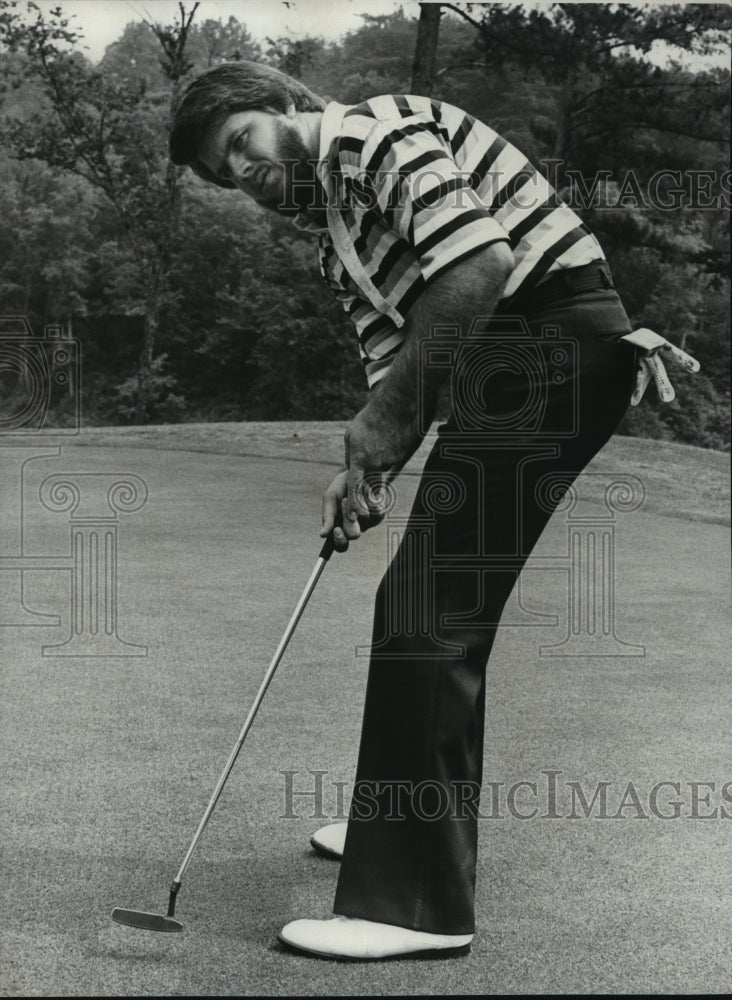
458	264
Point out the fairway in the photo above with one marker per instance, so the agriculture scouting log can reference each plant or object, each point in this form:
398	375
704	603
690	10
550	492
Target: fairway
109	761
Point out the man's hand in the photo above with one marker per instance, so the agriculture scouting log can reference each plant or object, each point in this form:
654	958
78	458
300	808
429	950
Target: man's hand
335	519
652	367
377	446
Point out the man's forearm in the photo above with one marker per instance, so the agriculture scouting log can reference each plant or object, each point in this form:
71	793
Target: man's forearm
384	435
471	288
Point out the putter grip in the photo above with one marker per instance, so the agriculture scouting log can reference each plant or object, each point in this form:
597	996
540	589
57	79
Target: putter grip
328	548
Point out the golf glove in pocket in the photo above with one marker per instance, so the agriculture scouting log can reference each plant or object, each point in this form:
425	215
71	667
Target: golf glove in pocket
652	366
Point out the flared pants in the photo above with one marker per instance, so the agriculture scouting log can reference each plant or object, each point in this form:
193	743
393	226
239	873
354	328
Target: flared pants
534	400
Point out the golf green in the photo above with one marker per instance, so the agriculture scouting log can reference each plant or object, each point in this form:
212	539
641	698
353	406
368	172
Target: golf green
109	760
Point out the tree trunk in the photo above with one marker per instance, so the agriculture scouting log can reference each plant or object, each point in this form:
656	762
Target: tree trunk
157	279
563	135
425	52
144	372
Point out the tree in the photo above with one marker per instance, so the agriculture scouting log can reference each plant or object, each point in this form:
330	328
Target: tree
108	129
583	54
425	50
46	239
213	42
245	328
572	87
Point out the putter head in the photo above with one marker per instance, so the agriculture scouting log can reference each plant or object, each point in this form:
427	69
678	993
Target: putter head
146	921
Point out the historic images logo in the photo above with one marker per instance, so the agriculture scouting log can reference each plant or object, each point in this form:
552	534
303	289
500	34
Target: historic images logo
40	405
548	795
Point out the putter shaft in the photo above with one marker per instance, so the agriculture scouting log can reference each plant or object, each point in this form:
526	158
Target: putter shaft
324	556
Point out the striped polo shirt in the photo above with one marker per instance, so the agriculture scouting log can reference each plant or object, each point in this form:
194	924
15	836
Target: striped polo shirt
413	186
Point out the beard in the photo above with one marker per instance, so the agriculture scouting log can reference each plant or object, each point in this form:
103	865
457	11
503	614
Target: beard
300	190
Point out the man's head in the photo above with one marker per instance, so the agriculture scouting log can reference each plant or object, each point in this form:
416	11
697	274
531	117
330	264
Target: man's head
238	122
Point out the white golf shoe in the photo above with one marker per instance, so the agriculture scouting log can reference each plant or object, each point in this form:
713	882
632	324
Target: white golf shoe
330	840
353	939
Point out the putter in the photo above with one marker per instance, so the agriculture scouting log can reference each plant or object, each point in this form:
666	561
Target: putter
166	922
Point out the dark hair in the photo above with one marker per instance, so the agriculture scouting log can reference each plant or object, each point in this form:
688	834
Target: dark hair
224	90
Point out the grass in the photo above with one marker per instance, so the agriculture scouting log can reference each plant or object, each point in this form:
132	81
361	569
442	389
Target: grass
108	763
680	480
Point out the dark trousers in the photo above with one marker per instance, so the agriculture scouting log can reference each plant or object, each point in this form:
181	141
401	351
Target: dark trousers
526	418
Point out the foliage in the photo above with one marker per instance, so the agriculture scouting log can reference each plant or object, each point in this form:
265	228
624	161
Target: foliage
224	302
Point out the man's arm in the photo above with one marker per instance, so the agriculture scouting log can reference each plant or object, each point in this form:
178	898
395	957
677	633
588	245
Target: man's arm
386	432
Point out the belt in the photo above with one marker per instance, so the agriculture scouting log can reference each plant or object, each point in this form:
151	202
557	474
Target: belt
560	285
